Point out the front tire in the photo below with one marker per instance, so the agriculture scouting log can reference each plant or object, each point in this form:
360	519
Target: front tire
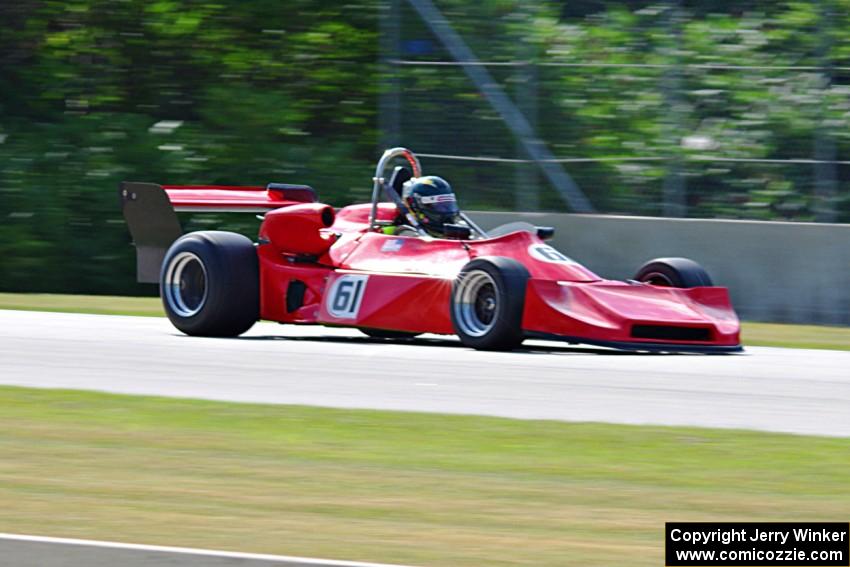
487	302
210	284
673	272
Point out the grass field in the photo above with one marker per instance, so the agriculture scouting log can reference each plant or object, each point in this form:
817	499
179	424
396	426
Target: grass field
796	336
97	304
395	487
754	334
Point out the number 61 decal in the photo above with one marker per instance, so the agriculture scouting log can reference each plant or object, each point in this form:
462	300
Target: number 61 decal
345	295
546	253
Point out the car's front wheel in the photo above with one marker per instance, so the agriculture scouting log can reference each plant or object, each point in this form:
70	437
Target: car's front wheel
209	284
487	302
673	272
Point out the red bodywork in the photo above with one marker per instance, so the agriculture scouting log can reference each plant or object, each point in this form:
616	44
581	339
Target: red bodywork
306	251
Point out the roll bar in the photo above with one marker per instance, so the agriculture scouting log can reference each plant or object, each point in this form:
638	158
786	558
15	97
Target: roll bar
379	182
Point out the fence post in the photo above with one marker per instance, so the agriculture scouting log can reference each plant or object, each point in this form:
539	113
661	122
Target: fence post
389	98
674	189
527	183
824	151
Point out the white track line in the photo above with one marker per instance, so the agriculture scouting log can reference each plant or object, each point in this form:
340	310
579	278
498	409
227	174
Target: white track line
280	559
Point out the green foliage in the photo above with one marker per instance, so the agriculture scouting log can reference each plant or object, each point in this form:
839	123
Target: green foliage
633	88
93	92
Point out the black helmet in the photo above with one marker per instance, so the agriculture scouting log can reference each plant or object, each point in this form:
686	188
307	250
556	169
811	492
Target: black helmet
433	202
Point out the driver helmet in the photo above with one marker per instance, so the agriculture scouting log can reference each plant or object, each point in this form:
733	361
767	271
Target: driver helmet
433	202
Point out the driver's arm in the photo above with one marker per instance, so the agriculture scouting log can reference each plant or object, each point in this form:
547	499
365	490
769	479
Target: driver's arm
400	230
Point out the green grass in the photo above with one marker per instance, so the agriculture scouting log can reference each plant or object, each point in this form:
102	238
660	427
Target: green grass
754	334
395	487
97	304
796	336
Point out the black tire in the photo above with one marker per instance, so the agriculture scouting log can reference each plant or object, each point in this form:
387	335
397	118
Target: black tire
210	284
673	272
382	334
487	302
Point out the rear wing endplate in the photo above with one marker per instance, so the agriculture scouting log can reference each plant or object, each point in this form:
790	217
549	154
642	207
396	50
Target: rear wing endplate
151	212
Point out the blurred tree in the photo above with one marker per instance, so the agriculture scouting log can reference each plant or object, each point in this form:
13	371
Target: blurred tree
93	92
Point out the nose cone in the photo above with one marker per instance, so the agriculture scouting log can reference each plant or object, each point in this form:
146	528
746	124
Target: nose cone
620	312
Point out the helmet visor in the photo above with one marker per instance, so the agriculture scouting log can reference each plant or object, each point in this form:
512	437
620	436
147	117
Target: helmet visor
439	205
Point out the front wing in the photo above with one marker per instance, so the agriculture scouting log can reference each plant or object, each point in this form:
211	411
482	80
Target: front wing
632	316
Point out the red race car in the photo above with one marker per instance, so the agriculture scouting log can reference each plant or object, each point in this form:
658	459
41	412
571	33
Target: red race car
414	264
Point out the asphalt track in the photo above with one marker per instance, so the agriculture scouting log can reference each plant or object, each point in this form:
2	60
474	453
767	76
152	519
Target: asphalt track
788	390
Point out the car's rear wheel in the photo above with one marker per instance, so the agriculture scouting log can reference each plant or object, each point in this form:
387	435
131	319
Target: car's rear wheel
487	301
673	272
209	284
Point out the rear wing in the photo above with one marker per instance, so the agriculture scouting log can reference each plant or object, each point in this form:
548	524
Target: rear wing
151	212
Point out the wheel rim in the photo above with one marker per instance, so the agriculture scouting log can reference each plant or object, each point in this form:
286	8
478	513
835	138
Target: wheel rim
476	305
657	279
186	284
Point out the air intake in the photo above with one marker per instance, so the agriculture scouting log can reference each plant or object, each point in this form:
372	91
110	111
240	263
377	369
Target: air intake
670	333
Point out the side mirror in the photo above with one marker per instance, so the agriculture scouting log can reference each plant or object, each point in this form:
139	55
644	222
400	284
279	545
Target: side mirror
545	232
457	231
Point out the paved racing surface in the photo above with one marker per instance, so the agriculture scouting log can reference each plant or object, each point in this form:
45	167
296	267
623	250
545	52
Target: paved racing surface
800	391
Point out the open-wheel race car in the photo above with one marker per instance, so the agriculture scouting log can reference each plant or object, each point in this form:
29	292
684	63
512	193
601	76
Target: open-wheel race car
382	268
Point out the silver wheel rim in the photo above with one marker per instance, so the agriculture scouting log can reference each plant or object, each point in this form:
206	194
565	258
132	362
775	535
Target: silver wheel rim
186	284
476	303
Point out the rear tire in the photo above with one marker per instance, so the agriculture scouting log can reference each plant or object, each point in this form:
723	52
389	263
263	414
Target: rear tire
673	272
487	302
210	284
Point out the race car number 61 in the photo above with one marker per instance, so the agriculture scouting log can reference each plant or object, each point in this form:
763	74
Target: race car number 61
546	253
345	296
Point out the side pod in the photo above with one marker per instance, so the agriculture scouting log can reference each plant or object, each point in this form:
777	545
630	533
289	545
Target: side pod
153	225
